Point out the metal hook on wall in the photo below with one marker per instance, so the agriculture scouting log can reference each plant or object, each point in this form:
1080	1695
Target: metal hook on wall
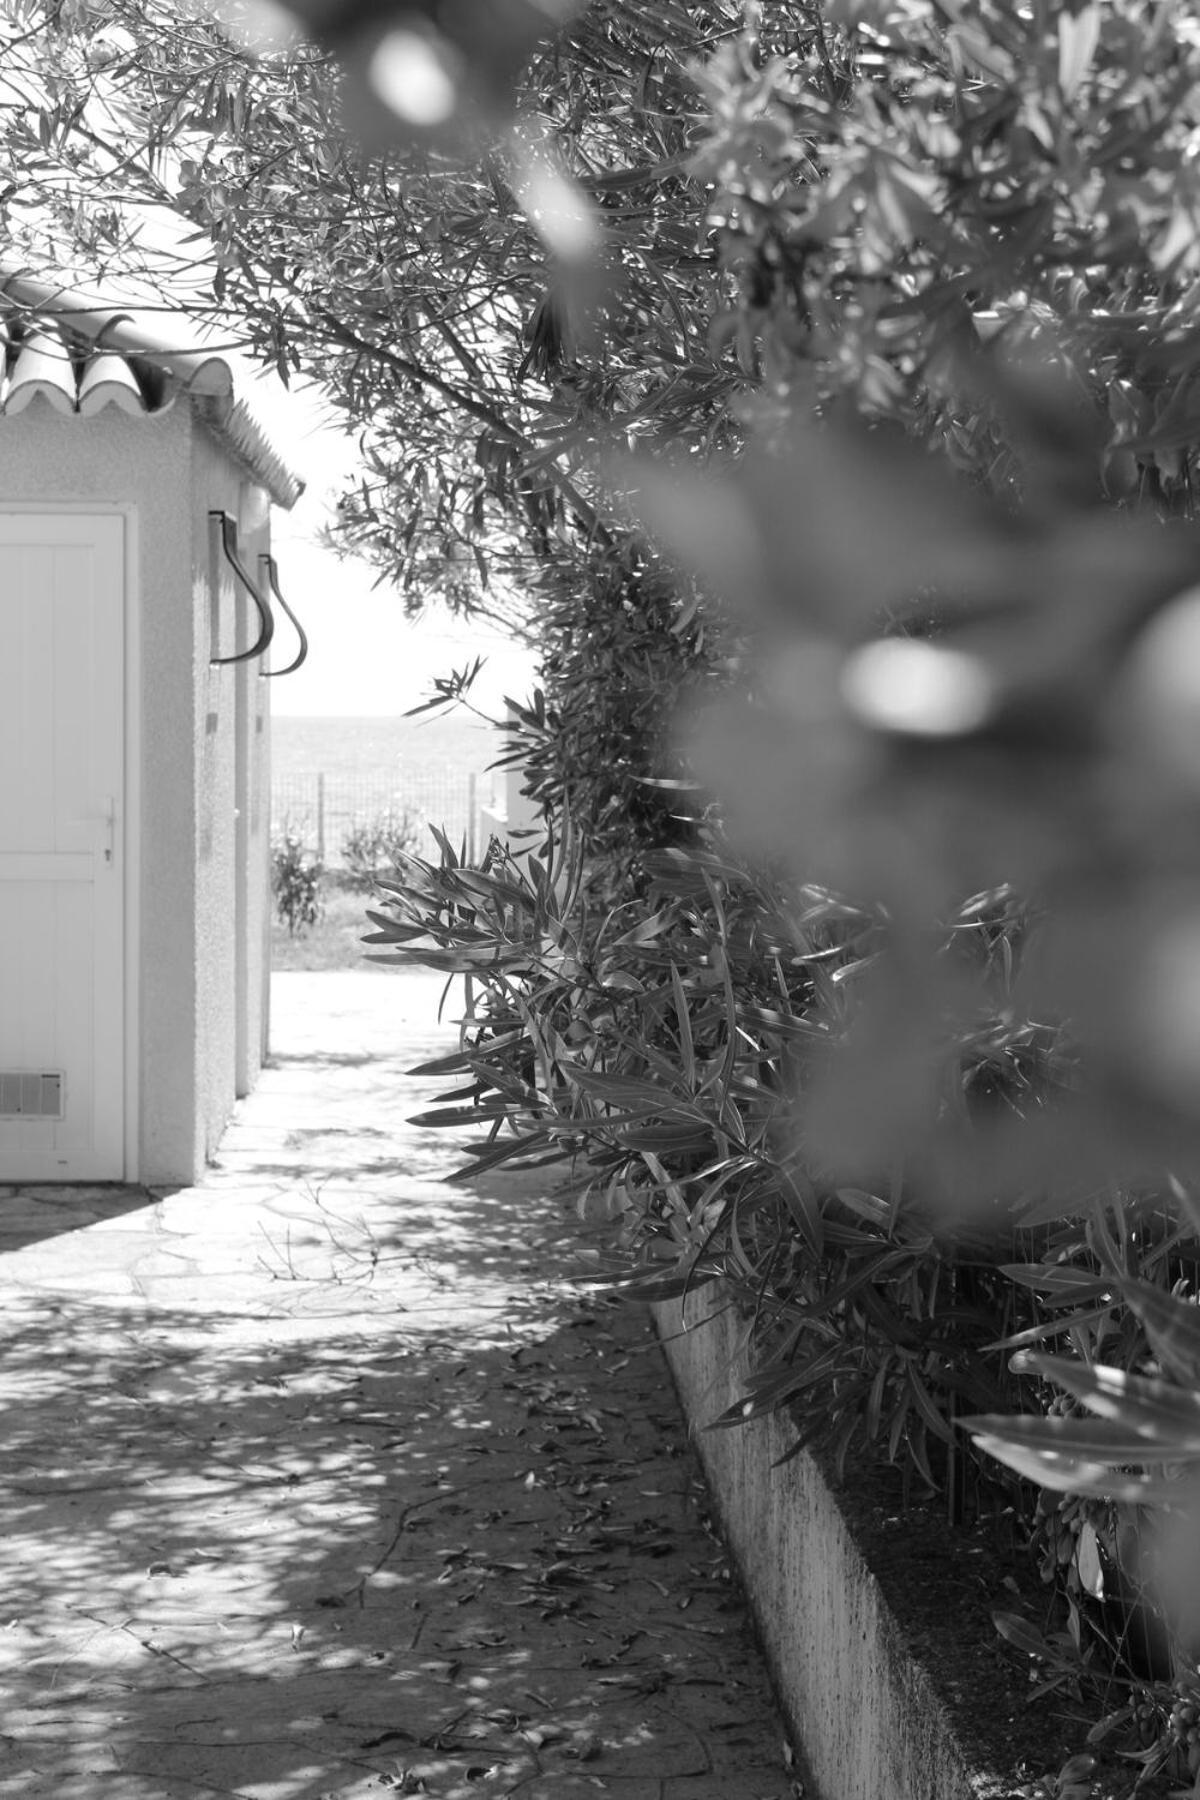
272	572
229	546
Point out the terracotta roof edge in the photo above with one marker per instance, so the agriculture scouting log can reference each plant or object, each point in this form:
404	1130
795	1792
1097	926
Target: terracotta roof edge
206	370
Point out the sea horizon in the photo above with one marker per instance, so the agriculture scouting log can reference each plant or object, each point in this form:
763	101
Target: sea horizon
332	771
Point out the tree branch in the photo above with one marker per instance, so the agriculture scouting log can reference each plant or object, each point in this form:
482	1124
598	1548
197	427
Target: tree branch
585	513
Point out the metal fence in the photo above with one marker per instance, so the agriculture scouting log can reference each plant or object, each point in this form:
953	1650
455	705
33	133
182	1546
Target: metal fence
325	808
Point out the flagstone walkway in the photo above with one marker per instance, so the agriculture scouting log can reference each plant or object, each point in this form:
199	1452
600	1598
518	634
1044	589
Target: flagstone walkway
322	1479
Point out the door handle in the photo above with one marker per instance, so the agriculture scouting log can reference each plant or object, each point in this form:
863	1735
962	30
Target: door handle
107	816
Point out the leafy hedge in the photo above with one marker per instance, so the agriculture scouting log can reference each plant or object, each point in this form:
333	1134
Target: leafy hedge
648	1050
650	1047
619	645
857	1117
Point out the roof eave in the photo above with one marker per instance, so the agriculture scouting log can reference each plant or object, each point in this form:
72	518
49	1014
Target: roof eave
234	424
214	377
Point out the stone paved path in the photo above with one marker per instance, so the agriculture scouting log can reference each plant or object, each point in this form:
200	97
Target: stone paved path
321	1479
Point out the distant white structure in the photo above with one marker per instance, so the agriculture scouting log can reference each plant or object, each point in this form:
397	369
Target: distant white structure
508	813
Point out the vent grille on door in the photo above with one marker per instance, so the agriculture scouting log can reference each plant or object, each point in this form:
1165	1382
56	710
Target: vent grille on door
27	1096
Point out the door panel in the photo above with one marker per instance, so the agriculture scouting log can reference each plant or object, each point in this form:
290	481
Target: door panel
62	729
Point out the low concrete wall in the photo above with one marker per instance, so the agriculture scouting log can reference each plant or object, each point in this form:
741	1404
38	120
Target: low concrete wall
862	1710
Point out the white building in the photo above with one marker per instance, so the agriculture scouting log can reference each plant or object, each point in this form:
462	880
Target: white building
136	479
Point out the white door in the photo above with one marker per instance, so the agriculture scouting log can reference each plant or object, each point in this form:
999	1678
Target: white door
62	714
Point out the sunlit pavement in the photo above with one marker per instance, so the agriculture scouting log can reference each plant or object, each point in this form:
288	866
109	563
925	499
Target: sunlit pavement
323	1479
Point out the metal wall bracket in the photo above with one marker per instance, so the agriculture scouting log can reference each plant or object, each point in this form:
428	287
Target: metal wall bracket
272	573
229	546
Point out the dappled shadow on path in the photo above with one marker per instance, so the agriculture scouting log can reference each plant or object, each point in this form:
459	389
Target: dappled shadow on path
395	1507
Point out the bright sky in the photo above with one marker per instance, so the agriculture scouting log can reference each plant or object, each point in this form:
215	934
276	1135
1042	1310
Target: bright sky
365	658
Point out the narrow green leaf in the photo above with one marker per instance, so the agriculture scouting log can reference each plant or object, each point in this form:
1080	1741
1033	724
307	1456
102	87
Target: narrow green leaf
1089	1439
1078	38
1070	1475
924	1401
1172	1325
1022	1635
1143	1402
687	1049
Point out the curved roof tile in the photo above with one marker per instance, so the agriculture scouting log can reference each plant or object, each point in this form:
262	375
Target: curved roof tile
108	380
40	366
81	352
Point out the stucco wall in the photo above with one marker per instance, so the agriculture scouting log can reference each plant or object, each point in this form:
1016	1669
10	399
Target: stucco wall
255	808
229	870
191	898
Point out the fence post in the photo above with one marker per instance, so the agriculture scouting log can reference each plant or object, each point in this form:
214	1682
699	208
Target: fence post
472	818
321	815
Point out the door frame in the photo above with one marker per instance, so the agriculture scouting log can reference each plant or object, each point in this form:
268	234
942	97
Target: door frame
131	809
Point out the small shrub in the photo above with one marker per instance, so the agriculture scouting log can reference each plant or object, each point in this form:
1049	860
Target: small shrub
296	874
375	846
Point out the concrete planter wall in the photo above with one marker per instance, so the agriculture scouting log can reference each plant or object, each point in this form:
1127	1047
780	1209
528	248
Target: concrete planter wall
866	1714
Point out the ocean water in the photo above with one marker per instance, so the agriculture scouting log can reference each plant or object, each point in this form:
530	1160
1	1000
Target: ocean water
329	774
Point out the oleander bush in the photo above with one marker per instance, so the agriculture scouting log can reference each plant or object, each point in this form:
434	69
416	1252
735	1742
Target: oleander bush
619	642
649	1047
374	846
645	1052
296	877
